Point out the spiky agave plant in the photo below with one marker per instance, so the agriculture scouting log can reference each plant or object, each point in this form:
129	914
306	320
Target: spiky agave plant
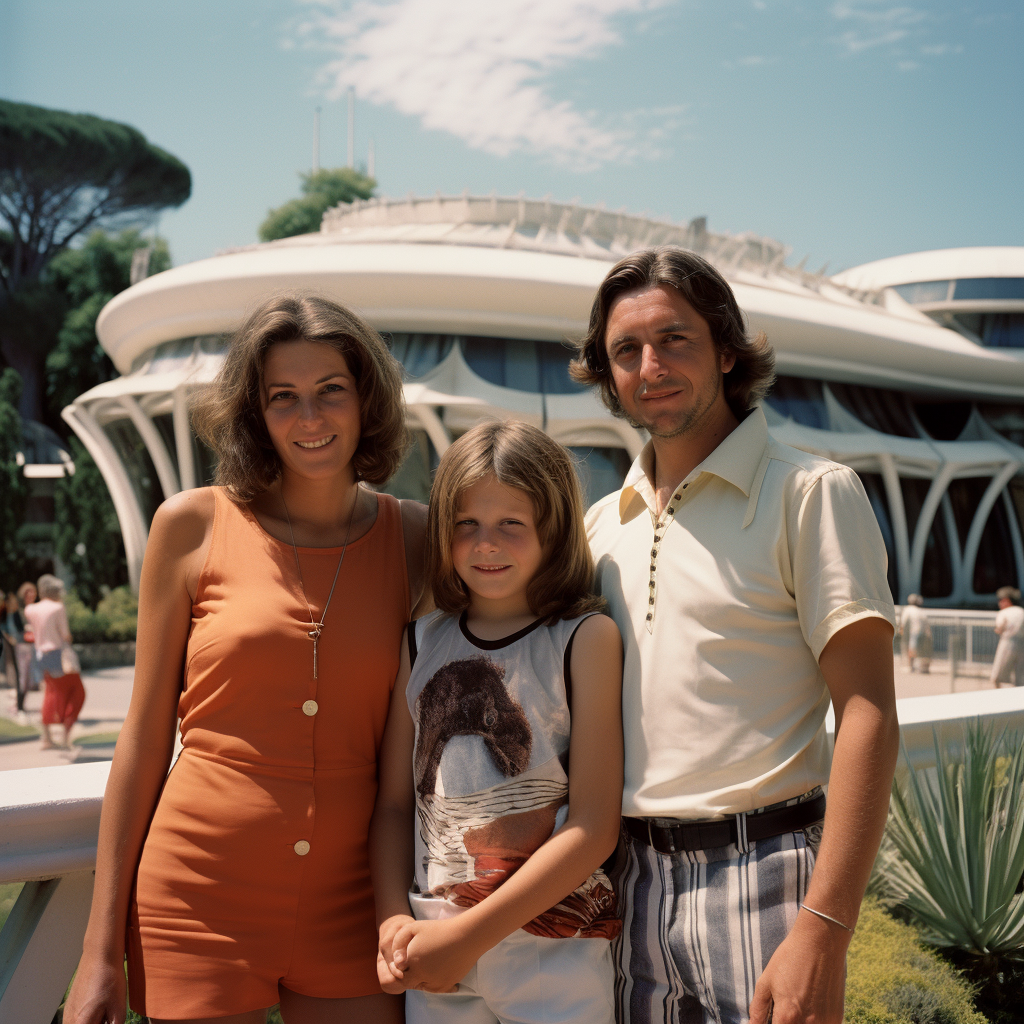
959	831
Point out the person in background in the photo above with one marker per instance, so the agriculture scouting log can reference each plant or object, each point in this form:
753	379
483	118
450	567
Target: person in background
11	630
25	652
917	632
64	694
1009	659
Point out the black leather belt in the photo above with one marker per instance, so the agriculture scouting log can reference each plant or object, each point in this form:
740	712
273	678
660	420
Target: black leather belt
706	835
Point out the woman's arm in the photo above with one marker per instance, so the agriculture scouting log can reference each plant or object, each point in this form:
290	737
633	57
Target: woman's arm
391	827
177	545
62	625
414	528
435	954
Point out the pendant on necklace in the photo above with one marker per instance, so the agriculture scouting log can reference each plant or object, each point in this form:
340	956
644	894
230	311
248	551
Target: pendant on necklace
314	635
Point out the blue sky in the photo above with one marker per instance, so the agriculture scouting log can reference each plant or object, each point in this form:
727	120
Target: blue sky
848	129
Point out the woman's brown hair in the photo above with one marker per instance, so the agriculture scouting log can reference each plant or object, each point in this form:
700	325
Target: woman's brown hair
710	295
523	457
228	415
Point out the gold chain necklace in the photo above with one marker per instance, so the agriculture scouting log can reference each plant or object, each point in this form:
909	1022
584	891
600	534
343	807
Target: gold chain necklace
316	628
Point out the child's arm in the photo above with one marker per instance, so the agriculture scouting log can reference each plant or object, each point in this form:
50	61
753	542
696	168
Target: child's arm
391	835
434	955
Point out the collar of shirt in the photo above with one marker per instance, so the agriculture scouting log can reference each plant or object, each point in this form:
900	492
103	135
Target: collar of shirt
737	460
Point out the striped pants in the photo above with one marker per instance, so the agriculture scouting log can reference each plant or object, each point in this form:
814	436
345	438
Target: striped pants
698	928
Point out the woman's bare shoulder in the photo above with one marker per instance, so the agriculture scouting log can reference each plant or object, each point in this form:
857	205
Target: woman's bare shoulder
183	522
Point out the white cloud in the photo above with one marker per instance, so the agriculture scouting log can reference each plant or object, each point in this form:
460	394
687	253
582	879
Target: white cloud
479	70
897	29
874	24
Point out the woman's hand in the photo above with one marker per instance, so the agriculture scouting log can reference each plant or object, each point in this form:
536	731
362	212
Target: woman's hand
433	955
389	976
99	994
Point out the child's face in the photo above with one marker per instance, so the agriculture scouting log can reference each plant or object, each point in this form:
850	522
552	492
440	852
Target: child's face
495	547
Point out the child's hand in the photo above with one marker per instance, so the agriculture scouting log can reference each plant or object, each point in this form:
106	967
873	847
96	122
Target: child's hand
389	976
433	955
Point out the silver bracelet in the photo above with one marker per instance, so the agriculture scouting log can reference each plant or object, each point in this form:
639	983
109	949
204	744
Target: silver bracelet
825	917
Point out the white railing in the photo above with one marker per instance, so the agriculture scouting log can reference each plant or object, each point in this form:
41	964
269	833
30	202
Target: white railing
49	821
965	638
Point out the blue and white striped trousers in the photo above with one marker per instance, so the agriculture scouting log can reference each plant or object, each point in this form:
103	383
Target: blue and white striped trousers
698	928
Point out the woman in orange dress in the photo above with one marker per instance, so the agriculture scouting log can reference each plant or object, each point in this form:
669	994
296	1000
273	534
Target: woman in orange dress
279	598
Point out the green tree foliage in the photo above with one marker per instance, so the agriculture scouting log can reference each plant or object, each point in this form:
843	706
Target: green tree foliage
320	191
115	618
13	491
85	516
87	278
60	175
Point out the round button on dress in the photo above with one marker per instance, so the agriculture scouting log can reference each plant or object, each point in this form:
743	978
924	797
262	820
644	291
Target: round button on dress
228	902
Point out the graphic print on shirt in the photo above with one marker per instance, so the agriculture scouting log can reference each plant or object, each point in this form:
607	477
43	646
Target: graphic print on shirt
495	810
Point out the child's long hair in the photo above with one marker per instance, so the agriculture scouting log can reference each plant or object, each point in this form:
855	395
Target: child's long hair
523	457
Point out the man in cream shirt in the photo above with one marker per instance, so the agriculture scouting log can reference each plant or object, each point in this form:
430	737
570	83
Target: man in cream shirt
748	580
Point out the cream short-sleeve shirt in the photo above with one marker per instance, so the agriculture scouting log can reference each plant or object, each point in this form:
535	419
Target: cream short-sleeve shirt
725	603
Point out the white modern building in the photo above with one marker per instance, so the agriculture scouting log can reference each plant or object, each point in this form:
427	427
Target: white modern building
909	370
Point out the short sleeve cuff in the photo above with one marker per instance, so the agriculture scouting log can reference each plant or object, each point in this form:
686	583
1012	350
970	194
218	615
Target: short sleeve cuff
845	616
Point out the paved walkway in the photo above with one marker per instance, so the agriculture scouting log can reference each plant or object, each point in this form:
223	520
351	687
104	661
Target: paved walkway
109	690
107	693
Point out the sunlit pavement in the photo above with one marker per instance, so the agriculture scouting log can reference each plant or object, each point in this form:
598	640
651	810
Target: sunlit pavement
107	693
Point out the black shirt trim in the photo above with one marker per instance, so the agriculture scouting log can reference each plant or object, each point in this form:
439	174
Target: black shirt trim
496	645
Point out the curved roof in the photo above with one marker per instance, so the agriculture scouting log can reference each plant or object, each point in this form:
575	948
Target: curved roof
458	266
936	265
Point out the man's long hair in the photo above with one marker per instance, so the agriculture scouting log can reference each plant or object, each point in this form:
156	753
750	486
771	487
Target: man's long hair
710	295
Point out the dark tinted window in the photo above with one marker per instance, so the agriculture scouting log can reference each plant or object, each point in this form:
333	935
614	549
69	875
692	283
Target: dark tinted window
420	353
875	487
138	465
937	572
878	408
601	471
1008	420
996	566
799	399
977	288
537	366
945	421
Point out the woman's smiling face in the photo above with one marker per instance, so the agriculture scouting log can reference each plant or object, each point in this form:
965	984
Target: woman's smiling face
311	407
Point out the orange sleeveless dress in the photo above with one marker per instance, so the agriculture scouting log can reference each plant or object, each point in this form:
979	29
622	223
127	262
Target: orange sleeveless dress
255	870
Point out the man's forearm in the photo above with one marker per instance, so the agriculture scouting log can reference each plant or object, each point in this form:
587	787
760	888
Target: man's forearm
867	744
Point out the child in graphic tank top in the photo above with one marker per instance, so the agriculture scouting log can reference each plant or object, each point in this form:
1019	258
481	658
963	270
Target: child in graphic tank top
490	840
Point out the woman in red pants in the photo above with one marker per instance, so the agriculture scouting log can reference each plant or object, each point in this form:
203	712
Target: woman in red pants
65	694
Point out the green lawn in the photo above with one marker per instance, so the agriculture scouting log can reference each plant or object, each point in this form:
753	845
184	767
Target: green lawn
8	897
96	739
11	732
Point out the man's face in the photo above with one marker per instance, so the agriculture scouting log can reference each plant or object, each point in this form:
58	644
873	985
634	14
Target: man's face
665	368
1004	602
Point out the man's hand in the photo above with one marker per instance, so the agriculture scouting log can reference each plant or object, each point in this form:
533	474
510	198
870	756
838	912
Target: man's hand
805	980
433	955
